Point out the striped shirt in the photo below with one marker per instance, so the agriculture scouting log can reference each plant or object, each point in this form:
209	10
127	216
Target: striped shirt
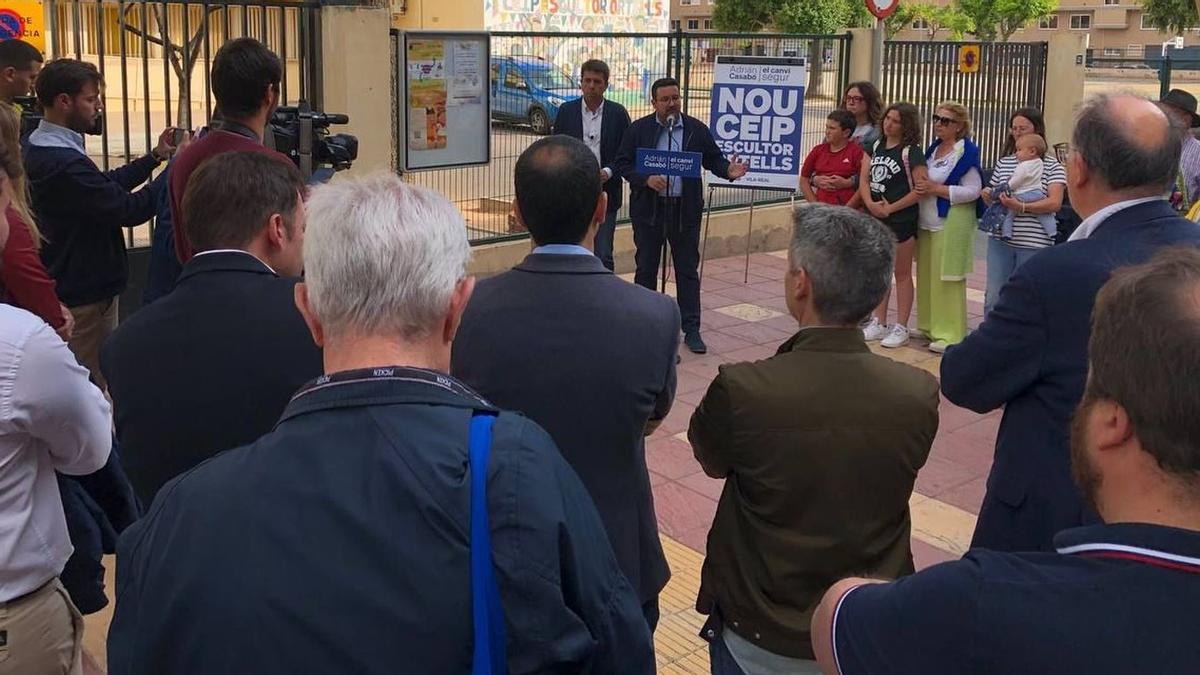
1189	168
1027	230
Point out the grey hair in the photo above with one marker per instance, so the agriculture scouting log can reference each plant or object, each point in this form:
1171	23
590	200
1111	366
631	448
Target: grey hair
382	257
848	257
1118	160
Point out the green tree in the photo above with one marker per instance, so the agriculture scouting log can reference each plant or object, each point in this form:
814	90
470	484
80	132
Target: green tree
1002	18
949	18
1170	16
814	17
904	16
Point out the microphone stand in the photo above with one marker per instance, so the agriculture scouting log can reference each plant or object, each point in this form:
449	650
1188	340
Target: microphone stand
672	205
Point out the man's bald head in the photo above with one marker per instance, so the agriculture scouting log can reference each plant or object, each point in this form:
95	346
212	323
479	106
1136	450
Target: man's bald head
1128	143
557	181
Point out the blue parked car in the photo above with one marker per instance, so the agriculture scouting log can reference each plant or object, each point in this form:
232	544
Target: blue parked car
529	90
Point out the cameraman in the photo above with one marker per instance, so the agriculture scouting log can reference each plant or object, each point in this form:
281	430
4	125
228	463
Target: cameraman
245	82
20	63
81	209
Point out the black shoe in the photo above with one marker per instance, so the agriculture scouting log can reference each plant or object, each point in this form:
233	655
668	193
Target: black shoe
694	343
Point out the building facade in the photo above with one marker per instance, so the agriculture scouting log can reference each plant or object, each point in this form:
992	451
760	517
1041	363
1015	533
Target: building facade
692	15
1115	28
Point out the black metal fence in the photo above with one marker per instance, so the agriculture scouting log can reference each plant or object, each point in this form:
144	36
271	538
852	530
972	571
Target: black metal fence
484	193
1008	76
1168	72
156	57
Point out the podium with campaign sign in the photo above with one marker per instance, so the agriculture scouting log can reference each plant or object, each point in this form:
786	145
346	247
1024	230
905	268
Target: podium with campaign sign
672	164
758	116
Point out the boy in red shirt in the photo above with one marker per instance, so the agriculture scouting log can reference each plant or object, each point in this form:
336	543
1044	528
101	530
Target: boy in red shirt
829	171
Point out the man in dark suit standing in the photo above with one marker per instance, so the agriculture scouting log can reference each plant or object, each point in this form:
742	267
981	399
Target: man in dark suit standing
669	208
212	365
1030	354
600	124
584	354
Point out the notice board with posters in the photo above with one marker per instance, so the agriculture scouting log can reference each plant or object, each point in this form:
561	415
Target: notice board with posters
444	99
757	115
22	20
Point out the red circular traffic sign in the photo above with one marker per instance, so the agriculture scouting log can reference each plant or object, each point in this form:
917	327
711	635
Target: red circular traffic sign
882	9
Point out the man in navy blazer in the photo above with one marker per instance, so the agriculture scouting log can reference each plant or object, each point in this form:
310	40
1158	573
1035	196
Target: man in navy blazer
669	208
212	365
600	124
1030	354
589	357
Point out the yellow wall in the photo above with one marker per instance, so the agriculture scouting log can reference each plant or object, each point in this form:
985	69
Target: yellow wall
437	14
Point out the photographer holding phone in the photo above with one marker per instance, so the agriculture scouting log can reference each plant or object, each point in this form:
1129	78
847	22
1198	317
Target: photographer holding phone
81	210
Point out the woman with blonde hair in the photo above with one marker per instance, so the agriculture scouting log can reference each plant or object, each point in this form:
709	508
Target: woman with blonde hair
949	215
24	282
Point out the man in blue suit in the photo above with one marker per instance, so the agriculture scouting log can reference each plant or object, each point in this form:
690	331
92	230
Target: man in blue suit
669	208
584	354
600	124
1030	354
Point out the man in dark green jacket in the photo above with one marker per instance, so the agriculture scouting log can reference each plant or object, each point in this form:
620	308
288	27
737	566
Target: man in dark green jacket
819	445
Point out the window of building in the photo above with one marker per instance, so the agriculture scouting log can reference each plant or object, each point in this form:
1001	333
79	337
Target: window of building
1112	2
1113	51
674	24
693	24
1134	51
920	24
1048	22
1081	21
689	2
708	24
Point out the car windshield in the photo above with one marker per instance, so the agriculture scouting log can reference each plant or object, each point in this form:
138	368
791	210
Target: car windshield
550	78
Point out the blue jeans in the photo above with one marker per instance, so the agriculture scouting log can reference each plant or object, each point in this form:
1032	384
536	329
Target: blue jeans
1002	260
604	239
721	662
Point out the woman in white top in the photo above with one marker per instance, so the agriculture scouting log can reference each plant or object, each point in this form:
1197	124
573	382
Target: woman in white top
948	219
1028	233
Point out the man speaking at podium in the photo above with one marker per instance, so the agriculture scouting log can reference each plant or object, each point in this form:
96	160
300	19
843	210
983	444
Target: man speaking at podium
668	208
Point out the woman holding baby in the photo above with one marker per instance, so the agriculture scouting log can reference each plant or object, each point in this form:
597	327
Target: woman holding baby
1027	165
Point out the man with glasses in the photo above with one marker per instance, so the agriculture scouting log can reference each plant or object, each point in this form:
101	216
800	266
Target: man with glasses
600	124
668	208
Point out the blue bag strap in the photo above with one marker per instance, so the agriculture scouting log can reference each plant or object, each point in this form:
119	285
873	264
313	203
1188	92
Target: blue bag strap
487	612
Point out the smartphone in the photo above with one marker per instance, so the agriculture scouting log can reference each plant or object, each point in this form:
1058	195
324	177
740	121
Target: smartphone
177	136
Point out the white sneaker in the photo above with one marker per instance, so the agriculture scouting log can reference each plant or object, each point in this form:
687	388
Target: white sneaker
938	346
897	336
874	330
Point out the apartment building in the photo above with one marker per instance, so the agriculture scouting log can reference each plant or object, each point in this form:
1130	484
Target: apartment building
692	15
1115	29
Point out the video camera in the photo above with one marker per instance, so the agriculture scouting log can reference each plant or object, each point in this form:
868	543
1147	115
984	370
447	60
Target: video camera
31	117
303	135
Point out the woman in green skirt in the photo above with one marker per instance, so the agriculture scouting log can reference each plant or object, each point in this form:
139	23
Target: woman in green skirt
949	214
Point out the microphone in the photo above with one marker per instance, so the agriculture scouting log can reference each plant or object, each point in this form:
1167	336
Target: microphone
670	121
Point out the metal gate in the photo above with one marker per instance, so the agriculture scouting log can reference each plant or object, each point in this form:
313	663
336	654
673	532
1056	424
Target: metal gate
1009	76
484	193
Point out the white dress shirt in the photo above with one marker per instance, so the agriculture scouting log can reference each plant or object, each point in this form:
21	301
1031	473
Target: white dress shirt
1089	224
593	122
51	418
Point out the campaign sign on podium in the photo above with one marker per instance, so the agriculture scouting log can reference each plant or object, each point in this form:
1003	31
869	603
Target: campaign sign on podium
668	163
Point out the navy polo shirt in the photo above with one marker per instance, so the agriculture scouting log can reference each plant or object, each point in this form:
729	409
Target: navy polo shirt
1121	598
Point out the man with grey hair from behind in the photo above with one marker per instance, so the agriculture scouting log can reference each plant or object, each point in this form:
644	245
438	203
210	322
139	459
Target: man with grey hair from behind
819	447
1030	354
393	518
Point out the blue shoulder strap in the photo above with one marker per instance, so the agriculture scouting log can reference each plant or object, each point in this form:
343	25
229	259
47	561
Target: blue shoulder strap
486	609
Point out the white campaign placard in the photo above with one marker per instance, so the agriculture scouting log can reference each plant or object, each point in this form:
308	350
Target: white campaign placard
757	115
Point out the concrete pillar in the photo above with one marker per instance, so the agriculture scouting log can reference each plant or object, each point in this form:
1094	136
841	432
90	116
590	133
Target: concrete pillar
356	78
1064	85
861	46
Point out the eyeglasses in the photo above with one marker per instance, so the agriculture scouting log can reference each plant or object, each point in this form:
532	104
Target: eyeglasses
853	99
938	119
